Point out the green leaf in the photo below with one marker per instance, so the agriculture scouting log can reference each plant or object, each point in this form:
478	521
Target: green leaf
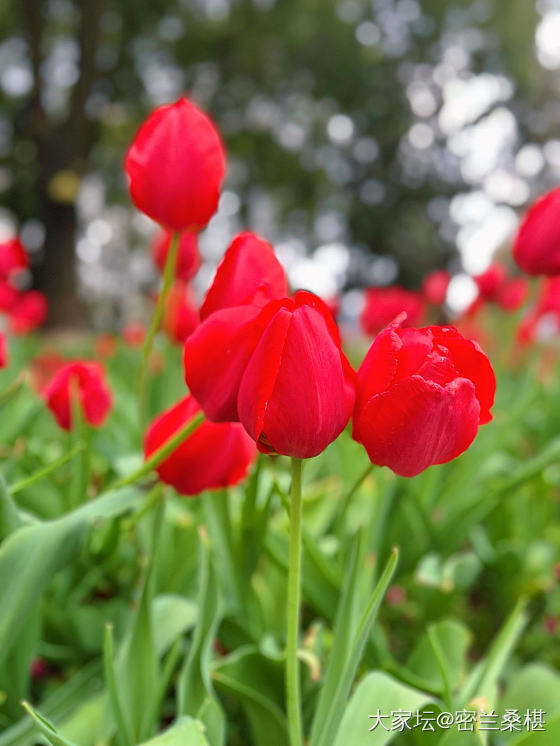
138	665
47	728
257	681
10	518
32	554
195	694
534	687
124	728
376	692
453	640
185	732
482	683
338	703
549	737
343	632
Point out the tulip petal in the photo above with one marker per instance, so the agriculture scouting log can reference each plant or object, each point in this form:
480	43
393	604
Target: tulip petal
215	357
249	273
309	403
417	423
472	363
215	455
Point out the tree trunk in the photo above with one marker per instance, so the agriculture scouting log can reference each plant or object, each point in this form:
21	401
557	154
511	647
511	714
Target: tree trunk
61	148
56	274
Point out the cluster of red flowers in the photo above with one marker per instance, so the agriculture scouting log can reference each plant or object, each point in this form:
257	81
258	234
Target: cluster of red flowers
266	368
273	362
23	310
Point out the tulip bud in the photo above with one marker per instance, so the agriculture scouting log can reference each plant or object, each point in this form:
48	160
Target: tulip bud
28	312
212	456
297	392
188	258
434	286
382	305
13	258
86	382
537	245
175	167
491	281
249	274
181	313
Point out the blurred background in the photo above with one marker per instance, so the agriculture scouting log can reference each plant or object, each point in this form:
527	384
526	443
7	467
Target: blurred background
371	141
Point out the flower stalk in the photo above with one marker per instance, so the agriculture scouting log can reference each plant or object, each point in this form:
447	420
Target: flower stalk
293	693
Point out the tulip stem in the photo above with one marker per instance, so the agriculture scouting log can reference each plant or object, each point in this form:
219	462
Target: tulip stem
162	452
293	694
168	277
45	471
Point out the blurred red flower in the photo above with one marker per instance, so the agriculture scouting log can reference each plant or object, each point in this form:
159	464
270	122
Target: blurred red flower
537	245
181	313
3	352
542	321
86	381
513	293
434	286
491	281
29	311
188	258
8	296
175	167
420	397
383	305
105	345
134	333
215	455
13	258
43	367
249	273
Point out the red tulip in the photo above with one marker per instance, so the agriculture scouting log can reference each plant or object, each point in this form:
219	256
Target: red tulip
3	352
491	281
134	333
434	286
542	321
278	370
537	245
420	397
384	304
84	380
513	294
8	296
297	392
249	273
216	355
181	313
28	312
188	258
215	455
13	258
175	167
